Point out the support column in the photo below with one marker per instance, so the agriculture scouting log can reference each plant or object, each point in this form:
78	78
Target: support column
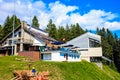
6	54
21	47
23	25
15	50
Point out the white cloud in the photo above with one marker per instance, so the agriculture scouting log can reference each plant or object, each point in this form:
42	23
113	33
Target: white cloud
59	13
95	18
39	5
112	25
1	1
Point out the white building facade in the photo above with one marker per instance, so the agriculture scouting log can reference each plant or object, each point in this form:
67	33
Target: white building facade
88	45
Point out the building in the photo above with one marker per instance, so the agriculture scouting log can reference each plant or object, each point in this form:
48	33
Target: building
84	47
26	38
89	46
36	43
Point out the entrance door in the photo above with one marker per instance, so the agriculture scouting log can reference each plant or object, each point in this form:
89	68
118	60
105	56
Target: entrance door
41	56
66	55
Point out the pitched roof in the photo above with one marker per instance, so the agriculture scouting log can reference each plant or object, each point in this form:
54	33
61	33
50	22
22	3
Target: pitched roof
89	35
39	35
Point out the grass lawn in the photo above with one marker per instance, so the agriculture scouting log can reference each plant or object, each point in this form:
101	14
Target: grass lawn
58	70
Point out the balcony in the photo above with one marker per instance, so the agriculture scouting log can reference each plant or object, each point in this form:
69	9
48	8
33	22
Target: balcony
16	41
24	41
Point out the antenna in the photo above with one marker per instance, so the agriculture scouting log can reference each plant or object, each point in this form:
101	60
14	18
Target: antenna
13	30
30	27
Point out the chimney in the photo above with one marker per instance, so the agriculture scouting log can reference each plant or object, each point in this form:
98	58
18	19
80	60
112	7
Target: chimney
23	24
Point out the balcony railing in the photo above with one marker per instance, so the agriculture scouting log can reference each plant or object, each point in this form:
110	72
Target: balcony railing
16	41
27	41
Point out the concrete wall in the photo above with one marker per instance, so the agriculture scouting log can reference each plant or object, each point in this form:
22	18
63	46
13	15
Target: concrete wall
38	42
91	52
81	41
27	36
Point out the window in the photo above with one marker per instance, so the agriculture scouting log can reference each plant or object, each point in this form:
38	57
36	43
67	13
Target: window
94	43
91	43
74	56
19	34
83	50
15	35
5	42
10	42
95	59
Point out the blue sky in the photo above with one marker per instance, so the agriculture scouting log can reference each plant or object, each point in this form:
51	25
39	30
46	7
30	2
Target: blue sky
88	13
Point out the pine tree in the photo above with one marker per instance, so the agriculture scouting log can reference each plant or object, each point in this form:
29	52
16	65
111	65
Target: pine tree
49	26
75	30
98	31
79	30
67	32
51	29
53	32
72	31
107	49
16	21
103	32
109	37
85	31
35	22
7	28
61	33
8	25
116	51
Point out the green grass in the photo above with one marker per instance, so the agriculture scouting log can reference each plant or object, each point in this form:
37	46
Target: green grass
59	70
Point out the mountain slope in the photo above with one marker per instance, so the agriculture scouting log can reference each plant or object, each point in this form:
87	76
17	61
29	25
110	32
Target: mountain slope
59	70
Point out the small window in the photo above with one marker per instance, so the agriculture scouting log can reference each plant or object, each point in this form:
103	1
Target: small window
74	56
15	35
19	34
5	43
64	55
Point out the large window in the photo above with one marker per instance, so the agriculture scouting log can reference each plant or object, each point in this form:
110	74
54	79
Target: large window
93	43
95	59
47	56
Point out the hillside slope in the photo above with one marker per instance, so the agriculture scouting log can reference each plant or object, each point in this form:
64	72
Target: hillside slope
59	70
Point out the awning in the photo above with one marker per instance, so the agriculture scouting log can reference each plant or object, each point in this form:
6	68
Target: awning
57	43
